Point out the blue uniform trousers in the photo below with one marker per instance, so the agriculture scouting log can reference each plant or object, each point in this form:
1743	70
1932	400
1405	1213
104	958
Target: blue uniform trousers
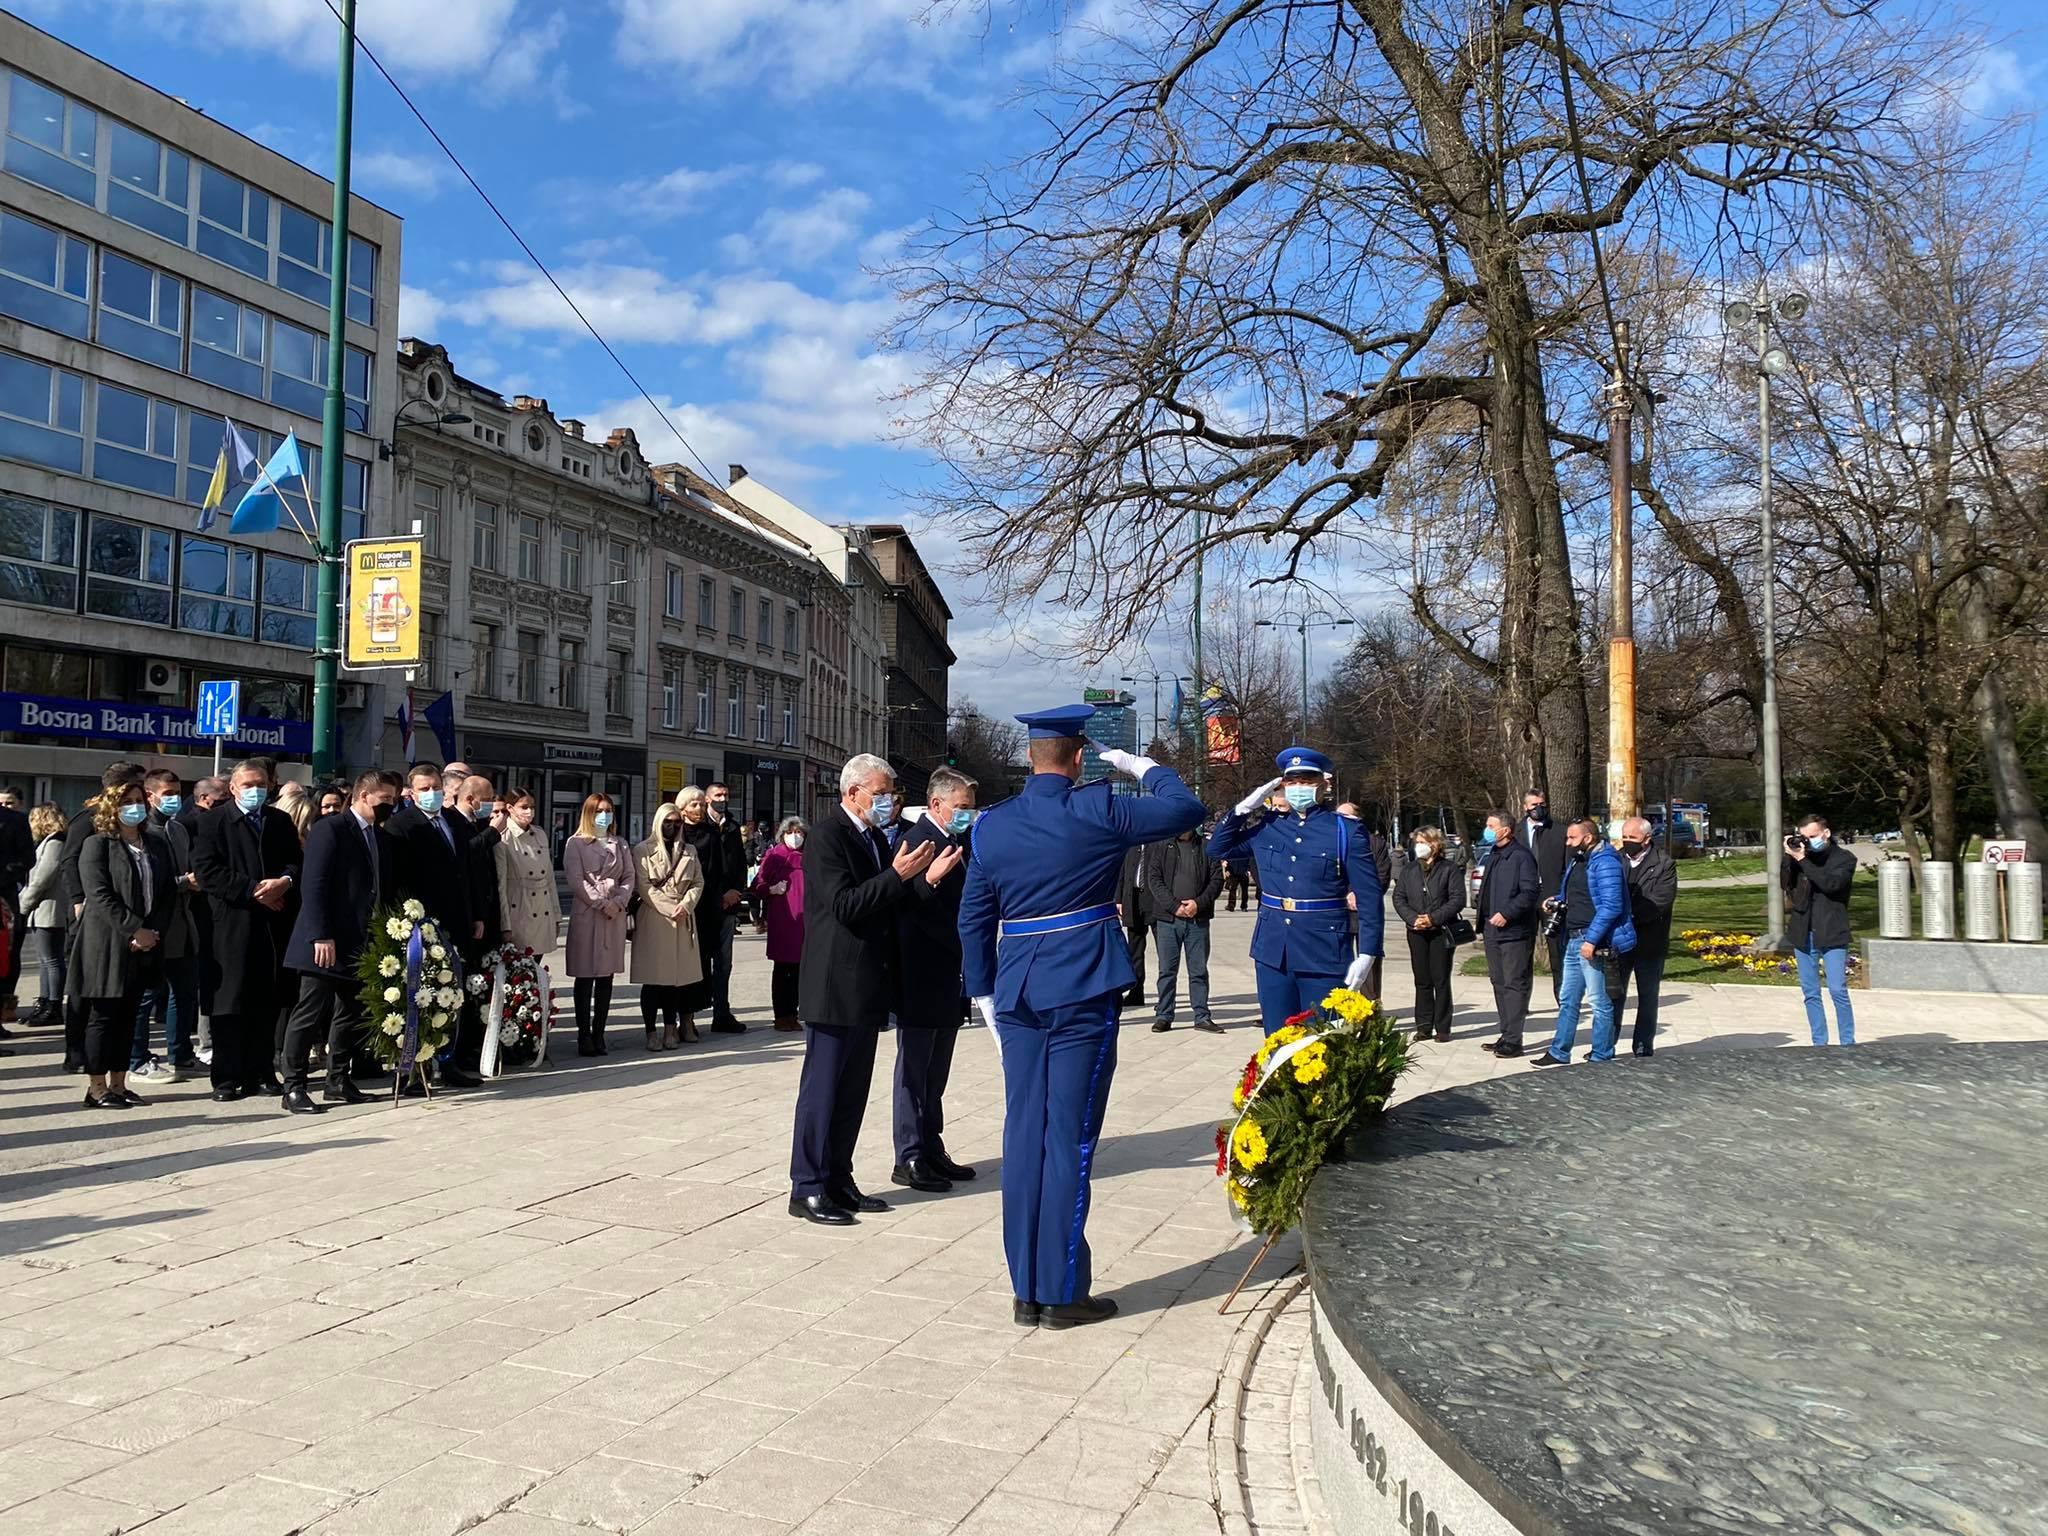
924	1063
1057	1066
831	1097
1283	994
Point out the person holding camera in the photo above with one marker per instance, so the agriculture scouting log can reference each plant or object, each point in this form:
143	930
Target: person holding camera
1816	876
1590	914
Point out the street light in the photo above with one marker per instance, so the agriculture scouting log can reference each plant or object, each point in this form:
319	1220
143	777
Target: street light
441	419
1155	678
1771	362
1303	623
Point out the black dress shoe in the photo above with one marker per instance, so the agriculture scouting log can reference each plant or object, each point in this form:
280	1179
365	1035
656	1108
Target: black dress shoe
1545	1059
128	1096
728	1027
850	1198
1024	1313
918	1174
344	1091
1501	1049
413	1089
263	1087
945	1167
299	1102
1160	1026
1643	1050
819	1209
1077	1314
227	1095
1209	1026
104	1101
455	1077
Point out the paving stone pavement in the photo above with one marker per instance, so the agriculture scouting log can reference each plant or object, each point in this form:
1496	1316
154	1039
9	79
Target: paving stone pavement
575	1300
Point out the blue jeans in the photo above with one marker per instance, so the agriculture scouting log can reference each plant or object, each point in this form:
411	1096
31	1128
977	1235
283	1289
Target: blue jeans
1173	938
1835	963
1583	979
174	1000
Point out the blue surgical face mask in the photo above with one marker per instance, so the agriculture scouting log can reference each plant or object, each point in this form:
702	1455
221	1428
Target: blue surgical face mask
428	800
960	821
254	798
1490	835
602	821
1817	843
134	815
1301	796
485	809
170	805
883	808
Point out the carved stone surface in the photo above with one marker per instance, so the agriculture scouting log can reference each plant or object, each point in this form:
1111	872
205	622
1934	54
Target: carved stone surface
1792	1290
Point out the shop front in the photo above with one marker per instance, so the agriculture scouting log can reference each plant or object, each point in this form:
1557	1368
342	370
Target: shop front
561	775
764	789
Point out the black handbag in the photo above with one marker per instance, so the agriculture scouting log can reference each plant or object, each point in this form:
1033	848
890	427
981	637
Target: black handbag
1461	931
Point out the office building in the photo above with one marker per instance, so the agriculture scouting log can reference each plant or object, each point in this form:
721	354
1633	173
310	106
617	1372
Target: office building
919	661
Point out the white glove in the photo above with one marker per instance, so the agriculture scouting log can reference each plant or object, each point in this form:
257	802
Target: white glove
1257	797
779	888
1126	762
986	1007
1359	969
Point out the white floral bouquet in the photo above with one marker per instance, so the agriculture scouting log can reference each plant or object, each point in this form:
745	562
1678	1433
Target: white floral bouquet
412	986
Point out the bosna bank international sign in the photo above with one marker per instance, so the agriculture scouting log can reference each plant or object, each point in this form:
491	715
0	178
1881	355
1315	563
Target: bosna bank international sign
84	719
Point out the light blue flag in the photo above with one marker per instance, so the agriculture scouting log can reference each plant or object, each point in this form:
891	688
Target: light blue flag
263	505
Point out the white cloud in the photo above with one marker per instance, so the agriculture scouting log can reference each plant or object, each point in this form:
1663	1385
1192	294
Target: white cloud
419	312
792	47
802	237
446	37
416	176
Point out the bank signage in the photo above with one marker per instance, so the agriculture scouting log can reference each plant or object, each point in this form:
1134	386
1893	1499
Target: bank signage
35	715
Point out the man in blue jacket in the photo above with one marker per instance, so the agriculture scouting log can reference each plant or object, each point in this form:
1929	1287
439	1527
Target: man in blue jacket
1310	859
1593	896
1042	878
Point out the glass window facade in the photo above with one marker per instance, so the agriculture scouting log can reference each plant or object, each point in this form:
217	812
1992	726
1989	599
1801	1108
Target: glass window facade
149	184
570	544
128	571
38	553
44	276
51	140
141	311
135	440
234	222
530	547
483	541
288	592
216	588
42	414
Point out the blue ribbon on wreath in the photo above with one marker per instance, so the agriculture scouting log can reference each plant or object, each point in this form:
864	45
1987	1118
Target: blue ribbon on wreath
454	963
408	1052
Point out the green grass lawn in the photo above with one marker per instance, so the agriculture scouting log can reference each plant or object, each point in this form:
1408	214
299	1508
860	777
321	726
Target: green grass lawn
1724	909
1715	869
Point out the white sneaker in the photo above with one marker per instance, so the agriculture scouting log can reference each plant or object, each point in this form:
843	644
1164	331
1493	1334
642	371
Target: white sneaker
204	1055
151	1071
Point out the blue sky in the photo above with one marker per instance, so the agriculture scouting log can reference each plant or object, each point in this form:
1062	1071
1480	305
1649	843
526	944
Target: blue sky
710	178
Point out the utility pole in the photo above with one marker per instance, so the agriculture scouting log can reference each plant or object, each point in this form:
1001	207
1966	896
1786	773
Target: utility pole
1621	641
333	421
1201	715
1774	788
1303	737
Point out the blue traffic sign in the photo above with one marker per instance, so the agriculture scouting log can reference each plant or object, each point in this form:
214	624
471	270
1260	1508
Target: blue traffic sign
220	709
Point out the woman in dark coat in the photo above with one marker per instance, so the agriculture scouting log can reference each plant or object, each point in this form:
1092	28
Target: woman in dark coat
129	874
1428	897
708	841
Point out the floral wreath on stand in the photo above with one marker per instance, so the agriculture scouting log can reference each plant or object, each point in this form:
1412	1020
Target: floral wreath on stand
412	990
516	1025
1308	1084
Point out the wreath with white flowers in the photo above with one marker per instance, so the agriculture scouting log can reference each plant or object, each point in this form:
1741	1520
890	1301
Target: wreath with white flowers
519	1013
412	986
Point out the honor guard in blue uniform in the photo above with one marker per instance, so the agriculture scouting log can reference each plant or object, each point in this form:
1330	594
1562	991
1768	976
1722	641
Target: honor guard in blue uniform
1043	958
1310	859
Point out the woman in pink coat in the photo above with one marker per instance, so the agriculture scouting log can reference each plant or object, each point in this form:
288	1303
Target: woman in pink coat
601	877
780	884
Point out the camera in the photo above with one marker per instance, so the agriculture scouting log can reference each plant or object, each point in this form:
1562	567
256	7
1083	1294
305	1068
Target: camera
1792	842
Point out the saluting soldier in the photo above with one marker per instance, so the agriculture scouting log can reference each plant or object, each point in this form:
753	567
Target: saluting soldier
1044	959
1309	860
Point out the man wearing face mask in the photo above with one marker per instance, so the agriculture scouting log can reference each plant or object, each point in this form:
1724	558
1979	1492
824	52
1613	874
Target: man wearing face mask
851	981
476	803
1545	841
725	891
934	1002
1816	875
1597	933
1652	893
1509	894
247	860
1310	861
349	873
173	998
431	865
1181	886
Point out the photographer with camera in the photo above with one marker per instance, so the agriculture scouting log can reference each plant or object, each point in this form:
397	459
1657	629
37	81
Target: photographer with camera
1590	913
1816	875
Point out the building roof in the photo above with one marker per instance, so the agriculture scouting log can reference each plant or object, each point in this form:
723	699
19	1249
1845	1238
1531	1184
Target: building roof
680	481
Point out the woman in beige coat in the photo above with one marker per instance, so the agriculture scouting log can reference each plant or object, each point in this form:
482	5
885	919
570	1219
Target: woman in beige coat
599	865
666	964
526	877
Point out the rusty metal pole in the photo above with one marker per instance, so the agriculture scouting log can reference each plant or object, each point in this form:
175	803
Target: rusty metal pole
1621	643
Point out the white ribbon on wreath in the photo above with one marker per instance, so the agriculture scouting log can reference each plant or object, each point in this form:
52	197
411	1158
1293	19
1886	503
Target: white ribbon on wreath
494	1020
1273	1064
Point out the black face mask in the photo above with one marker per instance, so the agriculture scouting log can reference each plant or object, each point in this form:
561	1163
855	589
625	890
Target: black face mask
1633	848
1540	816
381	812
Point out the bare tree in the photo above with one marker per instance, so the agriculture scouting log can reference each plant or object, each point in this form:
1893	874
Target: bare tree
988	748
1271	245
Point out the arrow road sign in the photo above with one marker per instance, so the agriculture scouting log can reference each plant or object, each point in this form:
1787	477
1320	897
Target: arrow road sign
220	709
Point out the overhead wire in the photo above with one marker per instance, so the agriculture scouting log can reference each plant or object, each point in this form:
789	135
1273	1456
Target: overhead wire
520	240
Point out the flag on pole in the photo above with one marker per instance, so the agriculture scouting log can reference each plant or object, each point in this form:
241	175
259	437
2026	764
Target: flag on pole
1178	706
405	718
440	718
235	468
263	504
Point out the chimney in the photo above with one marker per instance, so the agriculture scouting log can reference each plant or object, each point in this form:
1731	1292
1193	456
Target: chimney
573	428
735	473
528	403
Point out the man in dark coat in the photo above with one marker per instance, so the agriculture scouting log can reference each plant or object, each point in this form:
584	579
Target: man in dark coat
1816	874
1652	894
934	1003
1131	911
723	895
430	862
475	802
173	997
851	981
349	873
1510	894
118	776
17	853
1544	839
1181	886
247	858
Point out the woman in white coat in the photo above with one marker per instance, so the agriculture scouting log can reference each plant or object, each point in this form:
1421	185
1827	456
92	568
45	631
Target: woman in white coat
666	963
526	877
601	879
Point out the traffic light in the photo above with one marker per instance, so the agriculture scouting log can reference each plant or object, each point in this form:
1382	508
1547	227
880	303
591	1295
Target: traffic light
952	755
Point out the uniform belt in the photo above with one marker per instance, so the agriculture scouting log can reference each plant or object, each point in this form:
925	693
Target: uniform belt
1303	903
1057	922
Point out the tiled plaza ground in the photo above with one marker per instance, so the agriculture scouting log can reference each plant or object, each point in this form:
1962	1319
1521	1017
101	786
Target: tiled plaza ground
576	1299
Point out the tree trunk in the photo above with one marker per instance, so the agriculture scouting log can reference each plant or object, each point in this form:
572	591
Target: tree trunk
2019	809
1941	797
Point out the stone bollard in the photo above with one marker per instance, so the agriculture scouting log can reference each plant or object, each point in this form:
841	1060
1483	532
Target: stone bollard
1980	904
1895	899
1937	899
2023	903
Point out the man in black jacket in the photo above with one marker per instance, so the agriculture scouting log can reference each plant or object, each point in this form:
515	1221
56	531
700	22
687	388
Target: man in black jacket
349	872
1181	883
431	865
851	981
1544	839
933	1001
1510	894
247	858
1817	875
1652	893
17	853
725	890
1131	908
173	998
